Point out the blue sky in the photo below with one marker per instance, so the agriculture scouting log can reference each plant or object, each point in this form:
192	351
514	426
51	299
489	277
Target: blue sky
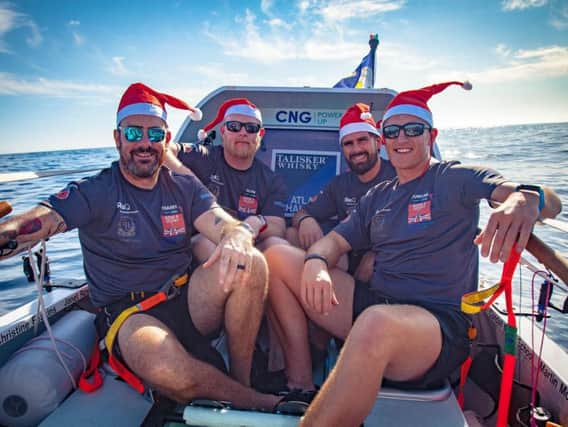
64	64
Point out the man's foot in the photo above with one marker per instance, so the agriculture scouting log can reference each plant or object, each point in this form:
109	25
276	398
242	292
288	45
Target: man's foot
271	382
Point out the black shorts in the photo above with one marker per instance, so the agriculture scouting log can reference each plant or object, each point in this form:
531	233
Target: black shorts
454	324
173	313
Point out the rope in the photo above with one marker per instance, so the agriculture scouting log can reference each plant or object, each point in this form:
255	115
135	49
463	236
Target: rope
43	311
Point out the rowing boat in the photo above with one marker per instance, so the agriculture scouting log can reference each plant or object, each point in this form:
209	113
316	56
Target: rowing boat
301	144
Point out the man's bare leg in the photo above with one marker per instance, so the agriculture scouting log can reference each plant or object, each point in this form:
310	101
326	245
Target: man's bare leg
240	311
400	342
151	350
286	264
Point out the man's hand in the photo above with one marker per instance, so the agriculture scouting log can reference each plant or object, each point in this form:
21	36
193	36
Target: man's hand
510	223
317	288
235	254
365	269
309	232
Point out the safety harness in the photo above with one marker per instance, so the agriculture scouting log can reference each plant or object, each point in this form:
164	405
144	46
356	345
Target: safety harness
92	379
472	303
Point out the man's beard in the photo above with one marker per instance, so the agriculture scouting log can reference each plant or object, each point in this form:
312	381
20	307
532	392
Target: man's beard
138	168
241	150
363	168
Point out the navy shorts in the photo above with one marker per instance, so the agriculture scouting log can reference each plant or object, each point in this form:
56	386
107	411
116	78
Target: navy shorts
175	315
454	324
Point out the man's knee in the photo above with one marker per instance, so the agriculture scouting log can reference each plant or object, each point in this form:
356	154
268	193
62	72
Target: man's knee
259	271
376	327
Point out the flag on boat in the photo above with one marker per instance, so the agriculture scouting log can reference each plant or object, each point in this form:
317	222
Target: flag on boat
364	74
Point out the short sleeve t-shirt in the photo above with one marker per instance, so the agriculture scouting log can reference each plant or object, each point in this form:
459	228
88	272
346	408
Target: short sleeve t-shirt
257	190
132	238
342	194
422	232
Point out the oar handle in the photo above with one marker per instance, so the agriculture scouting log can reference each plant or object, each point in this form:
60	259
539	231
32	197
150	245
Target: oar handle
5	208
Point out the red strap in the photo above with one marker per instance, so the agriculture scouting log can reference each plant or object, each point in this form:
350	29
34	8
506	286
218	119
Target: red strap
464	370
510	340
122	371
86	384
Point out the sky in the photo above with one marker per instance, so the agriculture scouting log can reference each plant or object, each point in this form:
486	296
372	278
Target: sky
64	64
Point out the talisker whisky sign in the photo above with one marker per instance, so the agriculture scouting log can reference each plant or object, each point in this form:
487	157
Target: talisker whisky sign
305	174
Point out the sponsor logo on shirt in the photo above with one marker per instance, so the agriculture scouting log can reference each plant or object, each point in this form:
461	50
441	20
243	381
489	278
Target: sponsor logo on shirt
248	205
173	223
420	208
126	226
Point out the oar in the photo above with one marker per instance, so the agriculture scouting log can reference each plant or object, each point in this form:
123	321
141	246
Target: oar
548	257
556	223
26	175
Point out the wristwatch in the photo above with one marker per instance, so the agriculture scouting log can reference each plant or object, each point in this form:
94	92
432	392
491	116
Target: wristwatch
263	224
535	189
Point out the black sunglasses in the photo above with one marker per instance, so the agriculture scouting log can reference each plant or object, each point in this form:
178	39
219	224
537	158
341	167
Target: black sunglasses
410	130
235	126
135	133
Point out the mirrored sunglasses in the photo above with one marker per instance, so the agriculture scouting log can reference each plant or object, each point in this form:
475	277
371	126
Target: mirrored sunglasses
235	126
135	133
410	130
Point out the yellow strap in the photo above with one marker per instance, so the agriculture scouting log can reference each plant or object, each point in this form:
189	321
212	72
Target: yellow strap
472	302
113	330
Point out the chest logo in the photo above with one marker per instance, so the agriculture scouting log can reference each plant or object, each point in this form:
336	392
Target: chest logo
420	208
173	223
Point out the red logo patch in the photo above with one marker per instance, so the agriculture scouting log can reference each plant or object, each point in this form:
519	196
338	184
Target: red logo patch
248	205
419	212
173	224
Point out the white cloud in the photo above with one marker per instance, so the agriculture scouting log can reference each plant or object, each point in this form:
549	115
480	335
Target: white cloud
265	6
12	85
117	66
277	23
559	19
535	64
74	22
11	20
509	5
502	50
341	10
78	39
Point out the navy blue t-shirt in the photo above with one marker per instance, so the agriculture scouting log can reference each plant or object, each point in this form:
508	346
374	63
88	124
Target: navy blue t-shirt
132	239
257	190
422	232
341	195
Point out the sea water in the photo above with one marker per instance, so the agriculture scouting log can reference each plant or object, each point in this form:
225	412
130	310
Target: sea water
529	154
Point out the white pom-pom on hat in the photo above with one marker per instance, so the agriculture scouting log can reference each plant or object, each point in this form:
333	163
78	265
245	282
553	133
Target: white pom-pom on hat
366	115
196	114
201	135
467	85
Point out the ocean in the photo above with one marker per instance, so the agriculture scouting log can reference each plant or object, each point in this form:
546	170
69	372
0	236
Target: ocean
529	154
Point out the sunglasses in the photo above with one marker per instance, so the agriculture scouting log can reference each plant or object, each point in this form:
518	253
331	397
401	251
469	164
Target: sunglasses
135	133
235	126
410	130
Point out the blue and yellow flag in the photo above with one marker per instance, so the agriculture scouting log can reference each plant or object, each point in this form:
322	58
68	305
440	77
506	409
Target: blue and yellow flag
364	74
361	77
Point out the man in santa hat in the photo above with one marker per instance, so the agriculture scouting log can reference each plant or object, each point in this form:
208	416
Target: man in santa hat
360	144
243	185
135	221
405	325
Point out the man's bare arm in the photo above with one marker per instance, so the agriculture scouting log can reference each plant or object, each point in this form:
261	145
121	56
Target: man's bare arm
38	223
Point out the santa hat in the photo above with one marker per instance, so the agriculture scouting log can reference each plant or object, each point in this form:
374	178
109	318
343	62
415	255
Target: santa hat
141	99
413	102
357	118
232	106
